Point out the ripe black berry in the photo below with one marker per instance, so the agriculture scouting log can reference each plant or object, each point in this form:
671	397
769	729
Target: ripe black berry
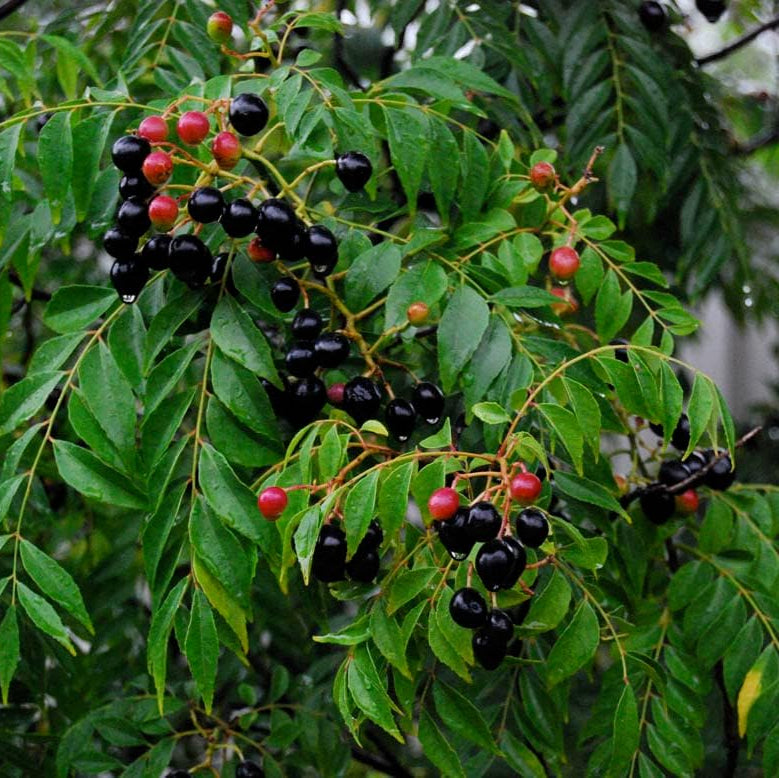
453	533
401	417
429	401
307	324
218	267
133	216
468	608
374	537
119	244
354	169
247	769
300	360
190	260
488	650
520	560
673	472
128	153
276	224
652	15
206	205
128	277
620	353
720	476
155	252
494	564
328	563
285	294
248	114
135	185
532	527
499	625
362	399
658	506
363	567
711	9
483	521
239	218
321	248
331	349
280	399
681	434
307	397
696	462
518	613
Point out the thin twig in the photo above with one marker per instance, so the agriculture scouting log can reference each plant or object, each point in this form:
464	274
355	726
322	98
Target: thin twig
746	38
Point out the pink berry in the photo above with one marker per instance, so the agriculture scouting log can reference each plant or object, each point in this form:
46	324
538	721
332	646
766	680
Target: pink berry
154	129
226	150
157	168
259	253
219	27
163	212
525	488
335	393
687	502
542	175
193	127
563	263
272	502
443	503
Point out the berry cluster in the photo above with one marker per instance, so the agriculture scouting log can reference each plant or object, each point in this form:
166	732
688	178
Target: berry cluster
329	564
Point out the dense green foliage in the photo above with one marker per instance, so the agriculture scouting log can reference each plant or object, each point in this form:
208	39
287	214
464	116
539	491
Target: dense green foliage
150	616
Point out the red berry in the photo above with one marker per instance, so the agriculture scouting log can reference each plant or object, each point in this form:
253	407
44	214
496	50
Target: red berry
417	313
154	129
687	502
569	304
563	263
335	393
157	168
443	503
163	212
219	27
259	253
192	127
226	150
525	488
542	175
272	502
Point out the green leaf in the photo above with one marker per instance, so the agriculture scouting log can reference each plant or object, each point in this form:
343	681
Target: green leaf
520	758
612	307
524	297
9	143
202	648
588	491
443	178
491	413
567	430
699	409
359	509
43	616
370	274
409	143
55	160
550	606
87	474
671	400
72	308
9	650
576	645
238	444
442	647
89	137
491	357
622	180
388	637
305	537
440	439
24	399
224	603
369	691
462	717
393	497
55	582
457	342
474	182
437	749
166	322
126	341
351	635
238	338
160	426
425	282
407	585
587	411
330	455
626	733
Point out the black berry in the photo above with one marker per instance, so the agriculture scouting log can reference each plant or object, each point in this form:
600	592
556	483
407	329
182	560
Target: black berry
128	277
532	527
652	15
673	472
239	218
285	294
206	205
696	462
331	349
401	417
321	249
429	401
453	533
128	153
294	248
488	650
328	563
155	252
133	216
363	567
307	397
499	625
300	360
135	185
276	224
620	353
520	560
190	260
468	608
720	476
518	613
280	399
307	324
248	114
658	506
711	9
483	521
374	537
681	435
362	399
354	169
249	769
494	564
218	267
119	244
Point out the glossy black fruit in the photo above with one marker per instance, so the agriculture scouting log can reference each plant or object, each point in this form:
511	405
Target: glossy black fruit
248	114
652	15
331	349
249	769
190	260
119	244
499	625
307	324
128	153
363	567
354	169
681	435
673	472
518	613
520	561
401	418
696	462
453	533
155	252
532	527
128	277
294	248
362	398
483	521
239	218
658	506
620	353
429	401
276	224
373	537
205	205
133	216
218	267
321	249
280	399
285	294
720	476
494	564
300	359
307	398
328	563
711	9
135	185
468	608
488	650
